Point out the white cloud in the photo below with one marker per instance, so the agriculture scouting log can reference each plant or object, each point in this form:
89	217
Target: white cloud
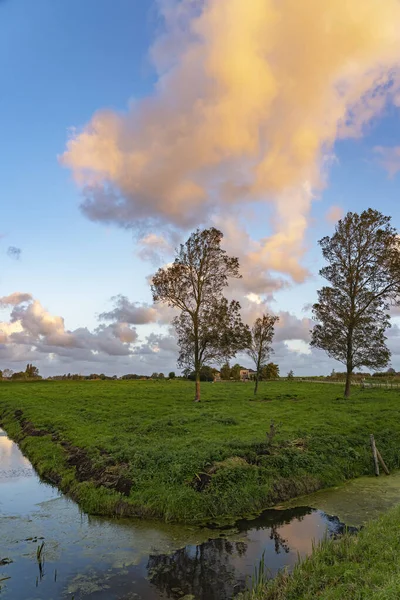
298	346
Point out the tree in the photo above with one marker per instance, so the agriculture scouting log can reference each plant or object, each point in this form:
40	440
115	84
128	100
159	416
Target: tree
225	372
270	371
186	372
290	375
209	328
171	375
7	373
161	376
364	275
235	372
19	375
260	348
206	374
31	371
154	376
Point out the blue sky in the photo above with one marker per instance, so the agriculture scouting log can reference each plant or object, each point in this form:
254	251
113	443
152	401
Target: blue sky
60	62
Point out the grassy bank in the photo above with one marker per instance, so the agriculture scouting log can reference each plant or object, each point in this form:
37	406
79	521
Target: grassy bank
355	567
144	448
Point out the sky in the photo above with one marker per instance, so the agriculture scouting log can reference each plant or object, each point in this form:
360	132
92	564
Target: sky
126	125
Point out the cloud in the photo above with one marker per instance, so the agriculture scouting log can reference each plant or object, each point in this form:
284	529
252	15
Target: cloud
14	252
290	327
249	102
157	343
32	326
257	258
33	334
134	313
14	299
333	214
389	158
154	248
138	313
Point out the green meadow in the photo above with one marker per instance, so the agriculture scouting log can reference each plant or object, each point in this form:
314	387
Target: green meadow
143	448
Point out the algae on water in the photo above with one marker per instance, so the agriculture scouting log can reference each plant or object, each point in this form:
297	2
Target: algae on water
356	502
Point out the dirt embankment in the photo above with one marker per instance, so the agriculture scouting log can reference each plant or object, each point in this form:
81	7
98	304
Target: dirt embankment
106	473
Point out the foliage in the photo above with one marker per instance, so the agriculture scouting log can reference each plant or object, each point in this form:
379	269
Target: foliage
235	372
364	275
206	374
225	372
171	375
260	343
31	371
354	567
209	328
290	375
18	375
270	371
164	444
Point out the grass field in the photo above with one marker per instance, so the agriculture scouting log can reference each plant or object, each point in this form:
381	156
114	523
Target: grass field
144	448
354	567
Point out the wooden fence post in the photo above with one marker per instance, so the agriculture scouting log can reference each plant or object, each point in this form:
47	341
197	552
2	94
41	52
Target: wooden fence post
374	454
384	467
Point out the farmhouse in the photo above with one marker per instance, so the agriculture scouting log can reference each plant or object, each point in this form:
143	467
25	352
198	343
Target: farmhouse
247	374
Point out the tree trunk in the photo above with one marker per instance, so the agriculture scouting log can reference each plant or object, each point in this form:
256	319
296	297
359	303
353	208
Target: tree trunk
348	383
349	362
197	363
256	384
197	393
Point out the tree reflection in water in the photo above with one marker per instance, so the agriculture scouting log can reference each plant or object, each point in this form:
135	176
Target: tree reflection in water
208	571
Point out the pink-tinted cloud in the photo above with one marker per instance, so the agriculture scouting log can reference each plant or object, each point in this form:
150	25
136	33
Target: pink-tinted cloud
15	298
334	213
250	99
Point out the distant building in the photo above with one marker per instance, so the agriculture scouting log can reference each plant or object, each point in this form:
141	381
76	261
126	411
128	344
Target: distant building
247	374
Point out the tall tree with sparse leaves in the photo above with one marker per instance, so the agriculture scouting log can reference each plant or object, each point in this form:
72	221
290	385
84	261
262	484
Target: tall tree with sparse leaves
209	328
363	271
260	347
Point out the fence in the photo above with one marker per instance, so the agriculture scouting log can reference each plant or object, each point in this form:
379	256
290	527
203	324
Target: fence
367	383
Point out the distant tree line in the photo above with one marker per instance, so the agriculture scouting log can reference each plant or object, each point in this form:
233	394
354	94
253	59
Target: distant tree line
266	372
31	373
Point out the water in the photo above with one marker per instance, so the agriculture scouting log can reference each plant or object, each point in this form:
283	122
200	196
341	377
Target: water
96	558
357	502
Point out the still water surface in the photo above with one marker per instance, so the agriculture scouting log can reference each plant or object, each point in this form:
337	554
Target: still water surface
97	558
